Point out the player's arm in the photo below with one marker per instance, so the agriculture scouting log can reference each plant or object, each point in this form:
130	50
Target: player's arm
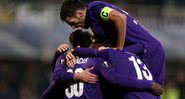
60	50
127	82
114	77
61	75
91	52
117	78
82	52
119	19
104	13
86	76
55	57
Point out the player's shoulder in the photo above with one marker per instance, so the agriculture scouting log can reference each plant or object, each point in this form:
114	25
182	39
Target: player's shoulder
97	3
62	56
61	59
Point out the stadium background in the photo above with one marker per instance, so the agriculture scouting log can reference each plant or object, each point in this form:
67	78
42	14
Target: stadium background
31	30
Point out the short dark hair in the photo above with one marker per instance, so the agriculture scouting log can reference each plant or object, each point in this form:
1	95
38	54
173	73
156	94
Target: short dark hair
69	8
80	38
97	45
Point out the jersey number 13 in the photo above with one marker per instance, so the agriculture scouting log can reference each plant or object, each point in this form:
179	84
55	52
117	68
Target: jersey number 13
141	70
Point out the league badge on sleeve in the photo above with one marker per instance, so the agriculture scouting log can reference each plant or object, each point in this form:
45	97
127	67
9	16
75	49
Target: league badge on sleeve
106	64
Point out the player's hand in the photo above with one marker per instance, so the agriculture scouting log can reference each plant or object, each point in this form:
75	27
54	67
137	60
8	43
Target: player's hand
86	76
70	59
157	89
63	48
71	63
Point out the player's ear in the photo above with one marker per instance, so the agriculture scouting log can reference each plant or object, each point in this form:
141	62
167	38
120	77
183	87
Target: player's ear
79	13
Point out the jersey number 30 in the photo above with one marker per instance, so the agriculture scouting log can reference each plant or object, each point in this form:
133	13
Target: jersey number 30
75	89
141	70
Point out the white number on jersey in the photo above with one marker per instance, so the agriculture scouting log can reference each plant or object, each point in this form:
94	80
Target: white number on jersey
75	89
141	71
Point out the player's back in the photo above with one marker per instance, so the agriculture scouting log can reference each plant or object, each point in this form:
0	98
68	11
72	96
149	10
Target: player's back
80	90
105	30
153	52
129	64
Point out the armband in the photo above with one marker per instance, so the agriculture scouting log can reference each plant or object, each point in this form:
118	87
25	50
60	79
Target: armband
105	13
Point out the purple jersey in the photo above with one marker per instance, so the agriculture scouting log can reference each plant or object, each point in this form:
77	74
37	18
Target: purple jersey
64	74
75	89
105	31
54	90
126	64
152	52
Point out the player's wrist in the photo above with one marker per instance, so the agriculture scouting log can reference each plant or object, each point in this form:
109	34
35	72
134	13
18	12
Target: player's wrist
76	76
119	47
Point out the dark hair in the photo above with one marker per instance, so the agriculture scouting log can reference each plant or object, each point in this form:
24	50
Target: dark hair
80	38
69	7
97	45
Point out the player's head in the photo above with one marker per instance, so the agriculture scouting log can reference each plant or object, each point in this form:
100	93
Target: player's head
80	38
73	12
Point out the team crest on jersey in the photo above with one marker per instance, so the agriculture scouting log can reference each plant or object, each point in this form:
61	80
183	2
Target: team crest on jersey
106	64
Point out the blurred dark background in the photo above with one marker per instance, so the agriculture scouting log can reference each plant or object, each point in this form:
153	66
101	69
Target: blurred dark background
30	32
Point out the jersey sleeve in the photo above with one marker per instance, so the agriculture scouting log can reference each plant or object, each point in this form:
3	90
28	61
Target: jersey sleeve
117	78
100	11
55	57
60	73
90	52
85	52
